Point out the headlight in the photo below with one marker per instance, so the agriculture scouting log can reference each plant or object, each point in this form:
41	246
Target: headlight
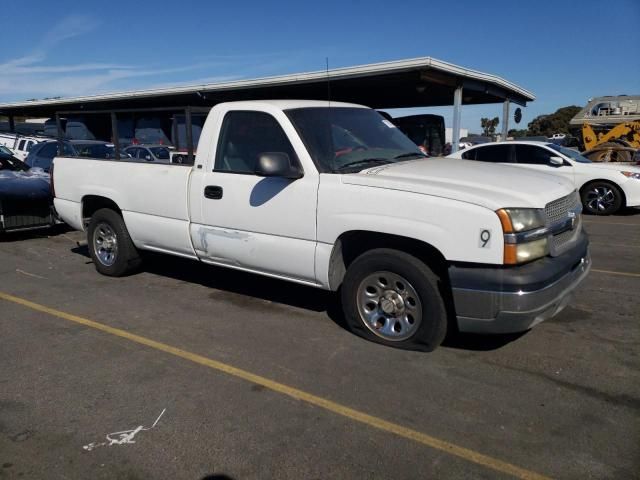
525	252
631	175
516	220
525	235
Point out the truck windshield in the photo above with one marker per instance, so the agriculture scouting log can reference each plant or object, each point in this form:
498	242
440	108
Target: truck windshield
347	140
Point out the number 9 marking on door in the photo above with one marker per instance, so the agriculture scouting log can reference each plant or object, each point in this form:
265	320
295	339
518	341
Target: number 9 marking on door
485	238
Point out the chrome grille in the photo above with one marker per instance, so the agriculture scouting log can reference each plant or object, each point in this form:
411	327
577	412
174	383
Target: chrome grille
562	241
558	210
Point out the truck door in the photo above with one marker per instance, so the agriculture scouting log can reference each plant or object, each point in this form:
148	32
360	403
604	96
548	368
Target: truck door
265	224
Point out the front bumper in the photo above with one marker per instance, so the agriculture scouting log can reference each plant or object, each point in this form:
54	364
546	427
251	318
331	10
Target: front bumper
631	189
508	300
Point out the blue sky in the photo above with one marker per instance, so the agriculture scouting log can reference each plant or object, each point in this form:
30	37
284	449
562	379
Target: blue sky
559	50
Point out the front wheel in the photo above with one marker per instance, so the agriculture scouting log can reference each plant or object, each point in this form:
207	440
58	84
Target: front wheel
110	246
601	198
393	298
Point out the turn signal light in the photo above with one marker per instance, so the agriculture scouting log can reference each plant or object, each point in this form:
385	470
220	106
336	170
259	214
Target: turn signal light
510	254
505	220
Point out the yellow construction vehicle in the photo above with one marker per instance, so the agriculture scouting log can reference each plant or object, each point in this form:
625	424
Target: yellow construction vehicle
610	128
617	144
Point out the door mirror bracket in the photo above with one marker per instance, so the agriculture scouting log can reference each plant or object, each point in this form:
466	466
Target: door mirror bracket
556	161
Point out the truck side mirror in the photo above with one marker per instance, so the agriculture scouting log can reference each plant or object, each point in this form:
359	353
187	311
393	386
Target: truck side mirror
276	164
556	161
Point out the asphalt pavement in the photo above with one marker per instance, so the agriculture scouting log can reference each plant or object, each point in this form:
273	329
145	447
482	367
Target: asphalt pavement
187	371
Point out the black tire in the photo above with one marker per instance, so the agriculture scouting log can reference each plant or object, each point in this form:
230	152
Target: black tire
126	258
431	327
601	198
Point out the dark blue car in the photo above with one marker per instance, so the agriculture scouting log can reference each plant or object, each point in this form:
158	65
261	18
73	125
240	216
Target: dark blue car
41	155
26	202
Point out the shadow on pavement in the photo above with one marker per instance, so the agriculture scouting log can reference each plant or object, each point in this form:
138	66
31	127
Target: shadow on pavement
239	283
48	232
480	343
218	476
252	286
628	212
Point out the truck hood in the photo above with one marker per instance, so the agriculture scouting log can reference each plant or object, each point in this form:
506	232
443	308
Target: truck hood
485	184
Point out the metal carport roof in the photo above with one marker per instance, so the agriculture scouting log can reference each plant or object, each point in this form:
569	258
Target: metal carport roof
420	82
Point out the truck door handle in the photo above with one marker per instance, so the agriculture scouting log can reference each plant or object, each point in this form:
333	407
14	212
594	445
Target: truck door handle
213	192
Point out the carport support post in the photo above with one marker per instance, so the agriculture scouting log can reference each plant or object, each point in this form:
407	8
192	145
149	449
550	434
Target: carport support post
457	110
187	121
60	135
12	124
114	133
505	120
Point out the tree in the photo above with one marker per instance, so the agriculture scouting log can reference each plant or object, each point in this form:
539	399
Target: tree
518	133
557	122
489	126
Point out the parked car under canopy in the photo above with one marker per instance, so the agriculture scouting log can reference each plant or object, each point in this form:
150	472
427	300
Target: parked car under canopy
25	195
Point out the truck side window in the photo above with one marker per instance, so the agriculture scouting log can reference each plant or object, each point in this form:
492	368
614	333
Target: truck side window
244	136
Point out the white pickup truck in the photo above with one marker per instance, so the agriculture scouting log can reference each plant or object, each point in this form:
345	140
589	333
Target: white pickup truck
335	197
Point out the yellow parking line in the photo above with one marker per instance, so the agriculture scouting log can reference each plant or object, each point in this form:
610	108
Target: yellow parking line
370	420
612	272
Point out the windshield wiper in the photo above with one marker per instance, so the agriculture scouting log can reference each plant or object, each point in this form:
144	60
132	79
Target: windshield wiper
409	154
364	162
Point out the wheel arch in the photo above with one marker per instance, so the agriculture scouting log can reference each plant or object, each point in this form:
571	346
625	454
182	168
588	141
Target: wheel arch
351	244
92	203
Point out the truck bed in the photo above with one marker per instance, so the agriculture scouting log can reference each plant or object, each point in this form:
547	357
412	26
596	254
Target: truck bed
154	195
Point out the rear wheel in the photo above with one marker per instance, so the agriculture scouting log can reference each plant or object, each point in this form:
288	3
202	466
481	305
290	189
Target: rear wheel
110	245
393	298
601	198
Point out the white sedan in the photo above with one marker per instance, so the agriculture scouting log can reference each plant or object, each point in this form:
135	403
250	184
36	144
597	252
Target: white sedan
604	188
